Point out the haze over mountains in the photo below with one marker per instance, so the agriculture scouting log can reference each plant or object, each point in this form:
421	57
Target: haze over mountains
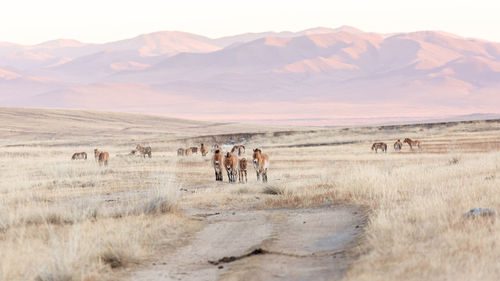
320	76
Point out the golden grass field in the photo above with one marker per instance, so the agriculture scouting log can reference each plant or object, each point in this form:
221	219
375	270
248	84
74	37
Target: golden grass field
73	220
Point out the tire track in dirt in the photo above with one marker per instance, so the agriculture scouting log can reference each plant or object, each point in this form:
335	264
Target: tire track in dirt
298	244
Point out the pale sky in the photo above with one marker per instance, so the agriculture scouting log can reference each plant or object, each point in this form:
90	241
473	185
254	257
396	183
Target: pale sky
96	21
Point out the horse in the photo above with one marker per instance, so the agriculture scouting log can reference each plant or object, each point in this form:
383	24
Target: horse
239	148
79	155
215	147
243	170
261	164
217	164
180	152
412	143
144	150
194	149
203	150
96	154
101	157
398	145
231	163
379	145
188	151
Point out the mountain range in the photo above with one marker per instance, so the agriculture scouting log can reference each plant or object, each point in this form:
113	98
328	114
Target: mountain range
319	76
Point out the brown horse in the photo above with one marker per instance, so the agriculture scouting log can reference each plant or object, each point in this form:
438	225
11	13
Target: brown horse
194	149
261	164
412	143
398	145
204	150
180	152
217	163
188	151
240	149
231	163
243	170
144	150
79	155
379	145
102	157
96	154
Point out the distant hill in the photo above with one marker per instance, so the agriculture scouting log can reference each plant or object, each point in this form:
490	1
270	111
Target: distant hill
319	76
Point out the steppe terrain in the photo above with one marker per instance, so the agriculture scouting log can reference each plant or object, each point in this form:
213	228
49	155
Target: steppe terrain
332	209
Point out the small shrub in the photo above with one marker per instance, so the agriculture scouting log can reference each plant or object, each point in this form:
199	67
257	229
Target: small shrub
273	190
112	258
159	205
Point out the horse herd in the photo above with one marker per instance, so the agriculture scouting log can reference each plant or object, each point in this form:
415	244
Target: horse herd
229	161
398	145
237	167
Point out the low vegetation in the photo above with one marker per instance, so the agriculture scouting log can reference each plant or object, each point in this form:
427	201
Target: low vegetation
73	220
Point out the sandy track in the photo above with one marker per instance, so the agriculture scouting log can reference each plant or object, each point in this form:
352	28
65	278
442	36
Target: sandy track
300	244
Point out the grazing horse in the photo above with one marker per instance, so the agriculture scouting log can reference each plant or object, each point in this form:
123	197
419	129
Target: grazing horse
144	150
239	148
243	170
79	155
180	152
194	149
379	145
204	150
231	163
217	163
188	151
102	157
398	145
261	164
412	143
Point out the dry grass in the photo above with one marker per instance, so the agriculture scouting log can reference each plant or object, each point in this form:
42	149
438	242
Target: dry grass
71	220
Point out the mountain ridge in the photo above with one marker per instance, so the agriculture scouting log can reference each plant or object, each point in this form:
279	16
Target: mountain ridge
316	73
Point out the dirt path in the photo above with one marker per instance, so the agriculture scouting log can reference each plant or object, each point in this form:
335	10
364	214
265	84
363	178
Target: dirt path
301	244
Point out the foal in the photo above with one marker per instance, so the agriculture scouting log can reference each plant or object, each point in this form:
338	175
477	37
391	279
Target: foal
243	170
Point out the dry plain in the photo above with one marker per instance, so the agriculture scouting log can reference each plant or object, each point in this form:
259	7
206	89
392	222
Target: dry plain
391	216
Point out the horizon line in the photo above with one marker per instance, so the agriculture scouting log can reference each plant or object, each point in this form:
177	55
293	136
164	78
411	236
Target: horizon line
248	32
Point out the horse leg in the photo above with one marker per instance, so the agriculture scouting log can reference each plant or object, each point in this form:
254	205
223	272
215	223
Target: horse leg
258	175
264	176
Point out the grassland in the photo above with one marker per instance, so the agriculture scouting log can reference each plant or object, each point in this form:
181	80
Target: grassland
71	220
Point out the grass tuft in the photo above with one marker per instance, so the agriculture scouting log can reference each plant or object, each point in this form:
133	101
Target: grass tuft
273	190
